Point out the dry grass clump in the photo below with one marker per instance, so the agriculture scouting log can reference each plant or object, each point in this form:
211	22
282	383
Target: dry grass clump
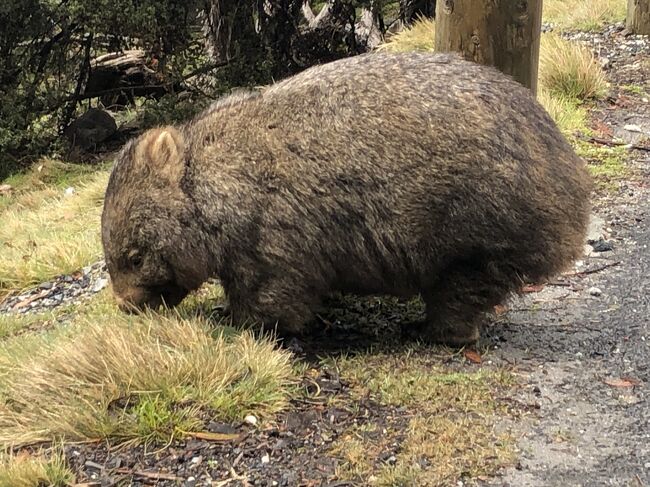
419	36
570	70
26	470
50	234
451	433
141	378
583	14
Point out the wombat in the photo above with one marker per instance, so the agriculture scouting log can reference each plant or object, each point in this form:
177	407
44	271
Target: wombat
380	174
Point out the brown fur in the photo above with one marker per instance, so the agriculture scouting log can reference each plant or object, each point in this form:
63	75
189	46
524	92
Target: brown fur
379	174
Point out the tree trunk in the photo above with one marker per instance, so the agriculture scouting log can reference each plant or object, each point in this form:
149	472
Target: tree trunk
409	10
501	33
638	16
226	25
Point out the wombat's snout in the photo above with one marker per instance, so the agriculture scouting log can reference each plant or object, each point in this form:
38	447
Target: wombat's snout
126	306
131	301
138	299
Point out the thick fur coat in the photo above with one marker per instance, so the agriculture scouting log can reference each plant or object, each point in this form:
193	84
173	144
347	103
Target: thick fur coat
398	174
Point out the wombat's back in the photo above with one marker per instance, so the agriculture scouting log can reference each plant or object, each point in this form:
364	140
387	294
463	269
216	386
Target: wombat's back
391	165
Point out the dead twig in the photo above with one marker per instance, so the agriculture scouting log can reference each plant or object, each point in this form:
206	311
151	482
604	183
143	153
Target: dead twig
594	270
614	143
148	475
559	284
233	477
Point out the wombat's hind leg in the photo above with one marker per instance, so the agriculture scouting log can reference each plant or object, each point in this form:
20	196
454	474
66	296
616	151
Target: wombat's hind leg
456	304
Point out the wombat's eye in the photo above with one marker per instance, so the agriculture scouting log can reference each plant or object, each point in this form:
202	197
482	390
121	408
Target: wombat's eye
135	259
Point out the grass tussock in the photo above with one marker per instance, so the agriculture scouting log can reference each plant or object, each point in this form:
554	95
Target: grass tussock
27	470
48	233
419	36
584	15
570	70
450	435
141	378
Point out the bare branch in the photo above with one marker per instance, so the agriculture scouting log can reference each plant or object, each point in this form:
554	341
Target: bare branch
307	12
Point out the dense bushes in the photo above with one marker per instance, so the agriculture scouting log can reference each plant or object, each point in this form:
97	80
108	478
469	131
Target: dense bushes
48	50
46	47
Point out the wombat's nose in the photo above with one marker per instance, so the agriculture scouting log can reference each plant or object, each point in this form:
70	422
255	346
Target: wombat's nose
125	306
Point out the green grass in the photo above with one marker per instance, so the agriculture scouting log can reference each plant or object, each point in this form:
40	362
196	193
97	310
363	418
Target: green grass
12	324
451	419
143	378
569	114
583	15
44	233
569	70
46	179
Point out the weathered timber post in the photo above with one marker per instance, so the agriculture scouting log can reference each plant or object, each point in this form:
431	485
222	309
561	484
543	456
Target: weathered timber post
501	33
638	17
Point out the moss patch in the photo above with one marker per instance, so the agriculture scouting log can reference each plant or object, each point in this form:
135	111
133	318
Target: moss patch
606	164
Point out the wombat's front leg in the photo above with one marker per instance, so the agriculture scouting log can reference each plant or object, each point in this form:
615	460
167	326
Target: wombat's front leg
277	304
457	303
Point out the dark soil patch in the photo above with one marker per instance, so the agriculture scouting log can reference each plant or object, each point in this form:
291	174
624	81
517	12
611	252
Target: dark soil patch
294	450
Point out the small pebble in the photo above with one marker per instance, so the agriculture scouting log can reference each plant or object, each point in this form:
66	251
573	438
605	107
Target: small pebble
602	245
100	284
265	458
633	128
594	291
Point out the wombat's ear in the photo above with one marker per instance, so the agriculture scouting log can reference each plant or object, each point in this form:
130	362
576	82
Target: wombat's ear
161	151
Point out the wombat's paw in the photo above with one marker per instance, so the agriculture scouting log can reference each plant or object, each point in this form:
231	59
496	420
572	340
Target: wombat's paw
458	336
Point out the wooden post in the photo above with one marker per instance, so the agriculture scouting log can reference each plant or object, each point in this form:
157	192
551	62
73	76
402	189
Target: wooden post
638	17
501	33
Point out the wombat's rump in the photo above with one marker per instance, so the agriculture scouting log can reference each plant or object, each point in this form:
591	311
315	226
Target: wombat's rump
378	174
